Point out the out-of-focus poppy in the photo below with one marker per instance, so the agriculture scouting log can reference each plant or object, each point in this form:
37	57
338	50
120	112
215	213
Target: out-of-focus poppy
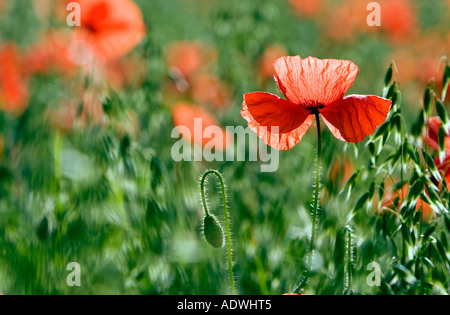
313	86
270	54
209	89
444	167
188	57
51	54
13	85
390	197
341	170
344	22
399	20
306	8
111	28
185	115
431	135
125	72
406	62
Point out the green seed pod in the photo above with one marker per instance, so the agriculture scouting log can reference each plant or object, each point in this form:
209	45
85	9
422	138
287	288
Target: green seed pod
388	76
213	231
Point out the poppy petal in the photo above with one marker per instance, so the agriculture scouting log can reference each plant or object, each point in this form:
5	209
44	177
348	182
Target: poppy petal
264	110
112	28
313	82
356	116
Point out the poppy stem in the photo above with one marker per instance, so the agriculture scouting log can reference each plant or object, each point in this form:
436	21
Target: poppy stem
227	220
315	211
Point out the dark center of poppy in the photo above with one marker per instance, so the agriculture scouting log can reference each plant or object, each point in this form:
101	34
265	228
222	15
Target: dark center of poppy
312	105
98	14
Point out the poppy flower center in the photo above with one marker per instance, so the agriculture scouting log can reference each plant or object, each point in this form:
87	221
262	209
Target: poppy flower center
313	105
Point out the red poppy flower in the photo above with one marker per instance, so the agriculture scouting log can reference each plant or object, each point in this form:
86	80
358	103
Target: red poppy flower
270	54
312	85
444	168
188	57
307	8
343	21
209	89
125	72
13	87
432	136
112	28
340	172
388	201
52	53
399	20
184	115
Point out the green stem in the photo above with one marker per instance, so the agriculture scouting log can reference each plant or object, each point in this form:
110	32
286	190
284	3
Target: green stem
227	220
315	211
349	253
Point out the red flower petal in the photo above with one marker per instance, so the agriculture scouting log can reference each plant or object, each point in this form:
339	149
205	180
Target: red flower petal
184	115
264	110
13	85
314	82
432	135
112	28
356	116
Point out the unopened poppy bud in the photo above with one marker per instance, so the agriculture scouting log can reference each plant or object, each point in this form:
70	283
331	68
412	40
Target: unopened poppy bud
213	231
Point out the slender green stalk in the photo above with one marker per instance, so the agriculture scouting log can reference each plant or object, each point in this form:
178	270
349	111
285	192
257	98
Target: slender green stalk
349	253
315	210
227	220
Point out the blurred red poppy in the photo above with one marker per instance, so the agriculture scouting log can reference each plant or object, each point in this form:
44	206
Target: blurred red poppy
13	86
313	86
184	115
399	20
444	168
210	90
389	199
188	57
111	28
51	54
307	8
125	72
343	21
270	54
431	136
340	172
